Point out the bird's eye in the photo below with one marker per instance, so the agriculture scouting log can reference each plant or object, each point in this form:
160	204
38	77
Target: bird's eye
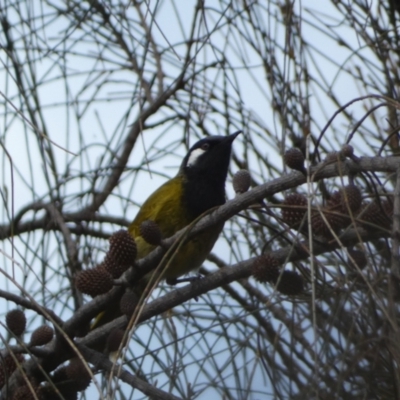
205	146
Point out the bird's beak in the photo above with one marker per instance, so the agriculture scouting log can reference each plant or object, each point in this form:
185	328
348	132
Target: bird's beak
232	137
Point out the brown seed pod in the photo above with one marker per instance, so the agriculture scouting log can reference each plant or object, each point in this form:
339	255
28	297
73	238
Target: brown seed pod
388	208
77	372
376	214
8	364
128	303
63	384
351	198
115	339
294	159
150	232
241	181
49	393
16	322
293	210
68	393
290	283
41	335
266	269
60	375
341	204
24	392
346	200
112	267
123	247
334	223
348	150
357	259
335	200
94	281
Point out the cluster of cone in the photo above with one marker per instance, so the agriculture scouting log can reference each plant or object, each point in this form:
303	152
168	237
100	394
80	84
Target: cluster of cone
11	360
119	258
266	268
344	207
66	382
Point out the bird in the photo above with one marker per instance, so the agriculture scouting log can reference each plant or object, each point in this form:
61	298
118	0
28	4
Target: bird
198	187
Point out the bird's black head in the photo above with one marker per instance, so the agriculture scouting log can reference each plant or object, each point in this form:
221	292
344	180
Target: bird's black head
204	170
209	156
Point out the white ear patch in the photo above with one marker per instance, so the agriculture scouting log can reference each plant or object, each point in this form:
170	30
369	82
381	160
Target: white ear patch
194	156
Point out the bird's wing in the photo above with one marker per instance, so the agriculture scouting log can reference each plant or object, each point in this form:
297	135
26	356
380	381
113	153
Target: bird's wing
164	207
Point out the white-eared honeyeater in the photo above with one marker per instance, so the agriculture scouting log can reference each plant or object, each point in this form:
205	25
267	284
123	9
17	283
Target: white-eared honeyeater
198	187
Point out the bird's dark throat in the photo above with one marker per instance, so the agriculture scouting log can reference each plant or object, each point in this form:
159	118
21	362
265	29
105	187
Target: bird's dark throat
202	192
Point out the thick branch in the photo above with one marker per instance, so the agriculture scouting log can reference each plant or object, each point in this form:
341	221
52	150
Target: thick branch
321	171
